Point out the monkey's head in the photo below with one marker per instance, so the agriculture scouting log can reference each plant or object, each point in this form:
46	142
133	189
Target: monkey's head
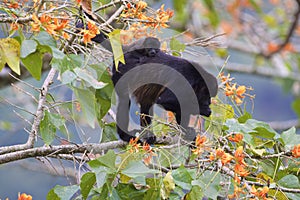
148	46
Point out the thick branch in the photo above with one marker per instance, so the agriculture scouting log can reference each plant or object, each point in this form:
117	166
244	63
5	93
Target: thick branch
60	149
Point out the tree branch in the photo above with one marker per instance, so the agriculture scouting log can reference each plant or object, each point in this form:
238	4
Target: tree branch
38	115
59	149
289	34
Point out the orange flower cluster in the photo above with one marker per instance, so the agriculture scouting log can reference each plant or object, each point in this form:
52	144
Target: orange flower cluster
135	147
15	4
239	171
296	151
136	31
261	193
160	18
89	33
139	29
148	153
240	165
231	89
220	154
201	145
24	196
52	25
236	137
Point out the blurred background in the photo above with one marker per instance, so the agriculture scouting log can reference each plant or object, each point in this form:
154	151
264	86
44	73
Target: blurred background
260	49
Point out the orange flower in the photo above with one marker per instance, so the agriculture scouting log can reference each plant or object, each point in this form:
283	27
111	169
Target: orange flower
134	146
149	153
200	144
230	90
296	151
200	140
90	33
240	170
239	156
219	153
236	137
36	24
226	158
141	5
60	24
24	196
260	192
211	156
240	91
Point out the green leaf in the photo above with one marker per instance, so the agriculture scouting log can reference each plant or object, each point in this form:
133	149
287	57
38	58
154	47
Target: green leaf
129	192
56	120
169	185
267	167
86	183
33	63
101	176
47	129
210	184
45	39
65	192
289	181
28	47
290	138
58	54
10	54
182	178
107	160
68	77
109	132
245	117
52	195
195	193
154	192
116	45
176	45
87	101
296	107
137	168
86	76
262	129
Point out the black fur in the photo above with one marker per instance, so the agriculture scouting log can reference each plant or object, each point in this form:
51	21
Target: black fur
154	77
146	64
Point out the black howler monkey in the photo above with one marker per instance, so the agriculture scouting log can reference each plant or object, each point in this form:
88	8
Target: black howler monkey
154	77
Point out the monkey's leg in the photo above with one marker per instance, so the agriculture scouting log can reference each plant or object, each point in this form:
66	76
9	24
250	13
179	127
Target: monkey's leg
123	118
145	118
145	115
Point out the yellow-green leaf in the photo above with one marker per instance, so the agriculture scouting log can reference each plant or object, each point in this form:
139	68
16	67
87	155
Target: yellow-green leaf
116	46
10	54
169	185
